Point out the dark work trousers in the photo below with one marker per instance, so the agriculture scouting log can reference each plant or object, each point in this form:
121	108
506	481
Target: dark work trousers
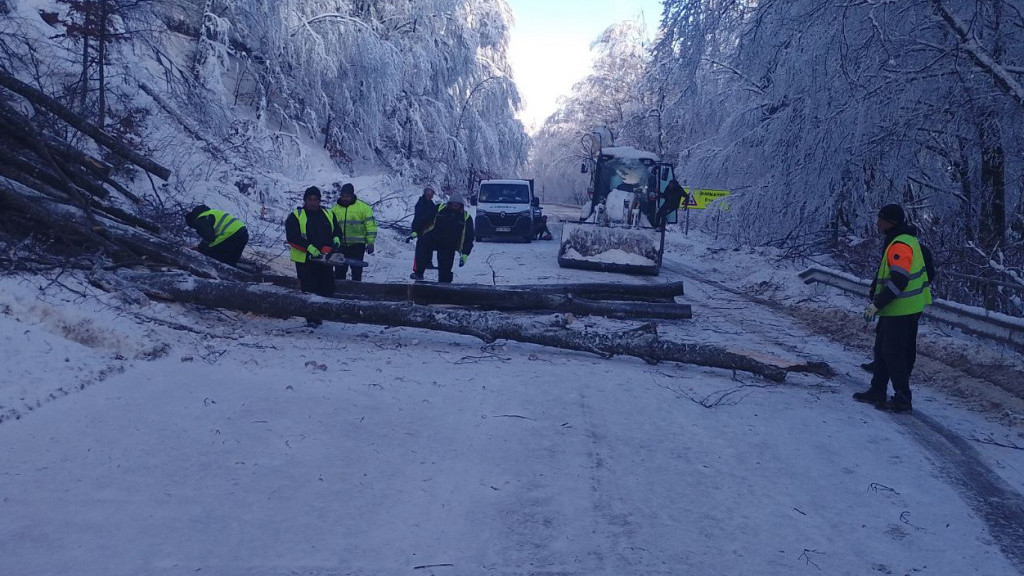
895	354
663	213
445	261
230	250
357	252
315	279
424	254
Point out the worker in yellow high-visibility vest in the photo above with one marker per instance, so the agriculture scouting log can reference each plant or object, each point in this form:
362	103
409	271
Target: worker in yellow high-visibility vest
223	236
358	229
900	292
311	232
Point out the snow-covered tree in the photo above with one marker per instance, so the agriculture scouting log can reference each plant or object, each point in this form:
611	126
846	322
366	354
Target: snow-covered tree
613	96
816	113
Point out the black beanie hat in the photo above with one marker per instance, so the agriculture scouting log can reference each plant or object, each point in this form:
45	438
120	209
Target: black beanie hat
348	188
893	213
312	191
190	218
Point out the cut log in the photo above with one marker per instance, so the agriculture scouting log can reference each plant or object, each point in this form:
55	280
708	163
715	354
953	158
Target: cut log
663	292
40	99
589	291
503	298
274	301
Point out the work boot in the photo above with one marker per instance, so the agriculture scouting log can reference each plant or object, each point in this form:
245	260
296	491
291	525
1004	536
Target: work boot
896	404
870	397
869	367
415	276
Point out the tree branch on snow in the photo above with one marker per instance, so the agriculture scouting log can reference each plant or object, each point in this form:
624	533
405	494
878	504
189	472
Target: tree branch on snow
806	556
988	439
727	397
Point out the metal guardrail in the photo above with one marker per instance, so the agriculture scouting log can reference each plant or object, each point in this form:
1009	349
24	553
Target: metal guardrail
971	319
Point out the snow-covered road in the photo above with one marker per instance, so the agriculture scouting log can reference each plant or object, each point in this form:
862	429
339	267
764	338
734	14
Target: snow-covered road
197	441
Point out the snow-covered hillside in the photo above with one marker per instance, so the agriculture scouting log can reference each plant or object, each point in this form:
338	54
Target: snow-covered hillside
249	103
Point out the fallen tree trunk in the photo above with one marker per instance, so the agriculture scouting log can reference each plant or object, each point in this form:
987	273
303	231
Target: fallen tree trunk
504	298
277	302
664	292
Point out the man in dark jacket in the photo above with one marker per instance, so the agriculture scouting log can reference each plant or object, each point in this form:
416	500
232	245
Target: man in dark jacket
422	219
223	237
451	233
540	221
312	231
673	196
900	292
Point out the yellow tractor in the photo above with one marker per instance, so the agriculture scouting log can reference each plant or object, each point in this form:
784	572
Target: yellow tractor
616	230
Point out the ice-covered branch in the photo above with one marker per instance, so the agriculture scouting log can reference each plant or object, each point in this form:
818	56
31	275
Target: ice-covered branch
981	57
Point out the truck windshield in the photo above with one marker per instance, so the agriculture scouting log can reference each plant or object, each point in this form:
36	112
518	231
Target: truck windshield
505	193
628	174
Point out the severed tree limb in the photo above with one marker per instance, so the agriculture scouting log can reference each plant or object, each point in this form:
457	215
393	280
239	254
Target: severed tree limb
69	220
642	342
38	98
49	175
504	298
54	189
14	123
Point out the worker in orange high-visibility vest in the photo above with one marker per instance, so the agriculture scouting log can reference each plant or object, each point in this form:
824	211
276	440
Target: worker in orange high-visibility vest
900	292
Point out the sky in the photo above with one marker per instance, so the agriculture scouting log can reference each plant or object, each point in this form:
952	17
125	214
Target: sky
550	47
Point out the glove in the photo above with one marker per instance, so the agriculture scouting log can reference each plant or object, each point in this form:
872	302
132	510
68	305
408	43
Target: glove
870	312
369	248
410	237
337	242
313	252
462	259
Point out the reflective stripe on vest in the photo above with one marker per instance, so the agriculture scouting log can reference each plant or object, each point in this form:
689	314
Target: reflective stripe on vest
224	225
917	294
357	223
300	215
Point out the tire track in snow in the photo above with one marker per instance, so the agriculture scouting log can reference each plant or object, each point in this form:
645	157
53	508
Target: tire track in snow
995	501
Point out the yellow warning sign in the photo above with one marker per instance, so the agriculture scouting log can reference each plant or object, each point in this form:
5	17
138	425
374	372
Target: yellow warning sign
699	199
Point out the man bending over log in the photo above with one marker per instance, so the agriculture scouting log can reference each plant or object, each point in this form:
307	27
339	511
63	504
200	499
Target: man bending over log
223	236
